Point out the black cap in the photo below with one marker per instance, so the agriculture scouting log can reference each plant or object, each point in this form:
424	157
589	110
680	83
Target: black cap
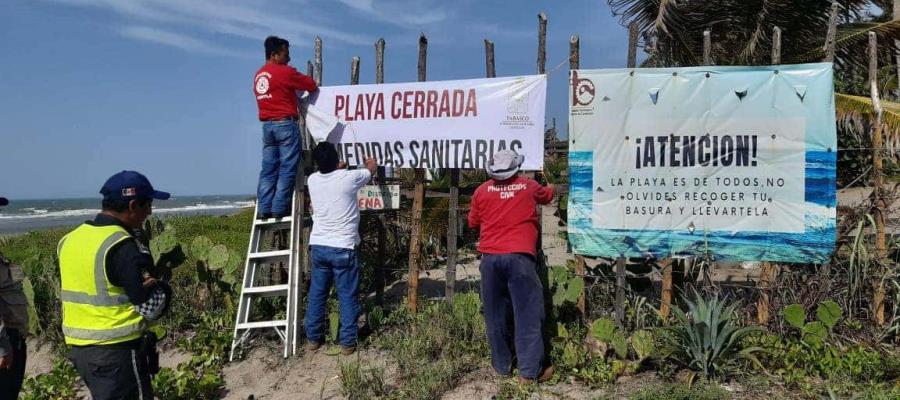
128	185
3	201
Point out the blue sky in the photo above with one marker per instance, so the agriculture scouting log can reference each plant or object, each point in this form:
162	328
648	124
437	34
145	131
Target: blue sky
91	87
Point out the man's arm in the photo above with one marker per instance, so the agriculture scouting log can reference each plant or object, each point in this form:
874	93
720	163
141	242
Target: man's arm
365	175
124	267
544	194
298	81
474	211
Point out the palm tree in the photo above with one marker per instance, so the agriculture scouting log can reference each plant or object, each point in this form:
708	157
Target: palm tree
741	34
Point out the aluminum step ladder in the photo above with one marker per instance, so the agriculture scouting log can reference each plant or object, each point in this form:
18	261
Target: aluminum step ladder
287	327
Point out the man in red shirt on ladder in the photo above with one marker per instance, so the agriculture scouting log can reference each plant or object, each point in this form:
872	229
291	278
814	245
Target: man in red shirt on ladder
504	208
275	86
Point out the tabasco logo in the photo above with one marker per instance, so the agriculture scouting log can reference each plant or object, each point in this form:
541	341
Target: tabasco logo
582	90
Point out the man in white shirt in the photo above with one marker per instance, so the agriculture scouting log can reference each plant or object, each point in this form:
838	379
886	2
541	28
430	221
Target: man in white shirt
335	234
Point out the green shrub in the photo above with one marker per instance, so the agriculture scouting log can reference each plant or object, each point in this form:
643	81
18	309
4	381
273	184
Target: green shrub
816	332
679	391
200	378
58	384
358	383
435	347
797	362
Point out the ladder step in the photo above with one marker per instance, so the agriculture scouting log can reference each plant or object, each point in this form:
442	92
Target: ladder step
273	290
269	254
272	221
263	324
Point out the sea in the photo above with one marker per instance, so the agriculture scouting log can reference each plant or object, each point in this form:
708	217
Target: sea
22	216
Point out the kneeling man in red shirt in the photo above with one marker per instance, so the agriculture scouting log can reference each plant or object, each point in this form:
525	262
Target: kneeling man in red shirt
504	208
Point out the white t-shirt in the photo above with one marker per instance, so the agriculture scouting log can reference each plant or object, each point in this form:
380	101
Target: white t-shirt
335	207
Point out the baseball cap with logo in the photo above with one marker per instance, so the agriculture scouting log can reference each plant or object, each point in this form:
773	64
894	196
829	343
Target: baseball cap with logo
128	185
504	164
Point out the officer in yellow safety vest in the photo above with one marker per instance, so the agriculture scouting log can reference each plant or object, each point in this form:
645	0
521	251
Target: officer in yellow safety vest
109	300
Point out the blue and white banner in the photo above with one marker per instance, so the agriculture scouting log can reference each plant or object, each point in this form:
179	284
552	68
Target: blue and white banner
736	161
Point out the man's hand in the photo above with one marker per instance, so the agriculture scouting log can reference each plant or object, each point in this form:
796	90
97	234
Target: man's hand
551	187
6	362
342	165
149	282
372	165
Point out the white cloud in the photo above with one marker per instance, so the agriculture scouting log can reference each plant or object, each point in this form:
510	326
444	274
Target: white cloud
400	12
233	17
178	40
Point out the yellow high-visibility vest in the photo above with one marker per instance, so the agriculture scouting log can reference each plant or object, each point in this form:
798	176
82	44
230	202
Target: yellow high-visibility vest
94	310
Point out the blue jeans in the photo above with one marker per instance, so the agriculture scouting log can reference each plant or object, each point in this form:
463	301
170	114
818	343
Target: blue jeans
280	155
332	264
509	282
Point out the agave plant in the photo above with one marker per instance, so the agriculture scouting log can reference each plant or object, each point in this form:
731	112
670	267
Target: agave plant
707	338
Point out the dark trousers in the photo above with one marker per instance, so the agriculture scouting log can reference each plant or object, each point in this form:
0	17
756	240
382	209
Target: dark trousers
11	379
509	282
113	372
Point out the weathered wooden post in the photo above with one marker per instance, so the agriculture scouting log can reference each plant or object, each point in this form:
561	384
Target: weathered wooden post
832	31
896	14
318	61
453	224
707	47
415	240
878	177
776	46
768	271
620	261
382	221
632	44
354	70
541	69
574	63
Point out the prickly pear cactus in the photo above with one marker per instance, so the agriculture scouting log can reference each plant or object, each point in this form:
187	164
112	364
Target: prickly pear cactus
163	243
217	257
642	343
200	247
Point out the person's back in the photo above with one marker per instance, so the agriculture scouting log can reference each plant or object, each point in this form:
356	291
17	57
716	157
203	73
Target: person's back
335	209
333	240
274	86
503	208
505	211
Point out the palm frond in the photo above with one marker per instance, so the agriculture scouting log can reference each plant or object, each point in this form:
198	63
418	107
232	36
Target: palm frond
852	40
857	114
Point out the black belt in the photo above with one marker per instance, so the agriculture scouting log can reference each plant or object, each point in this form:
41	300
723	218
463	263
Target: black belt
285	119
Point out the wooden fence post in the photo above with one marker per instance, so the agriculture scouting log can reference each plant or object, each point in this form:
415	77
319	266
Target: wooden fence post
542	43
632	44
354	70
768	271
620	262
877	174
832	31
415	240
382	221
707	47
318	61
541	69
574	63
776	46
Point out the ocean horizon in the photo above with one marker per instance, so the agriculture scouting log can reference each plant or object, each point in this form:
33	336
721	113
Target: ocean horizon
26	215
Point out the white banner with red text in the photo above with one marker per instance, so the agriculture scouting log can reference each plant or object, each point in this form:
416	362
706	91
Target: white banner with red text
439	124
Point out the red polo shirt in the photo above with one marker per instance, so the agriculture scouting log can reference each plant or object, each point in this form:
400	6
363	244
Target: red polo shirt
506	212
275	86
